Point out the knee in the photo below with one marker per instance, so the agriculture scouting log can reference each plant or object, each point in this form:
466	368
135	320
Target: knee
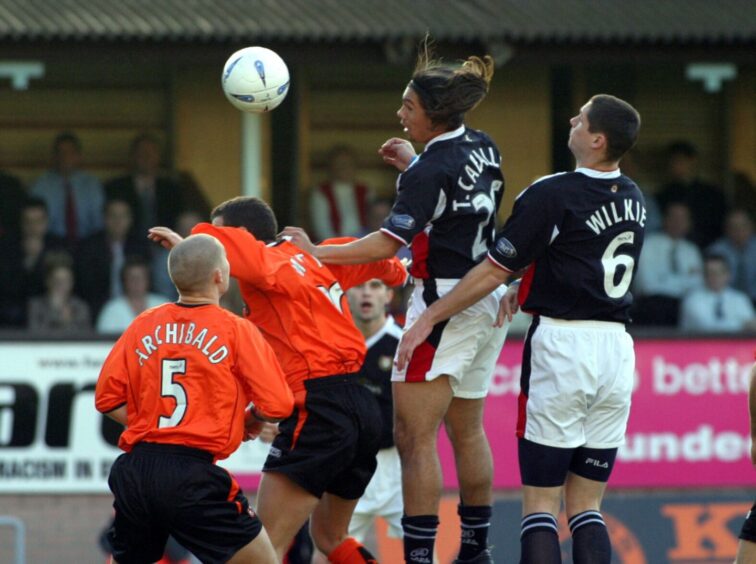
325	538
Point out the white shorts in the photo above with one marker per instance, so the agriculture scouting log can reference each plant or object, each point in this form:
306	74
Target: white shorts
382	498
577	382
465	348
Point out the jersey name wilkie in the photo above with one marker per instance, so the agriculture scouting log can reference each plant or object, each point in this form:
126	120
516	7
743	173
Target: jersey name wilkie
181	334
608	215
477	161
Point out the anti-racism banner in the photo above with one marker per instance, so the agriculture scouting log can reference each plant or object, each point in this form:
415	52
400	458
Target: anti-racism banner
688	426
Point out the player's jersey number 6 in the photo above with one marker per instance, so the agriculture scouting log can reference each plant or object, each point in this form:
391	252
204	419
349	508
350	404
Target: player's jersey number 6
611	260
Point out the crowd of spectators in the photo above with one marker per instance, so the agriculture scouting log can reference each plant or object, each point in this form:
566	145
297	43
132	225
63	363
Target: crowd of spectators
76	258
75	252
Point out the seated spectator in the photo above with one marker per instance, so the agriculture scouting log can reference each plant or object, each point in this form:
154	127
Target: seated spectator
74	198
738	247
706	202
101	256
59	310
13	196
338	206
119	312
717	308
669	267
161	281
22	271
155	198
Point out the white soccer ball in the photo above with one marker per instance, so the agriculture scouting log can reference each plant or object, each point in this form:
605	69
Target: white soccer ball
255	79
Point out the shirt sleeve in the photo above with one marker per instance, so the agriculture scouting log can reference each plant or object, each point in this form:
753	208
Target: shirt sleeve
390	271
528	232
419	194
260	374
247	256
112	384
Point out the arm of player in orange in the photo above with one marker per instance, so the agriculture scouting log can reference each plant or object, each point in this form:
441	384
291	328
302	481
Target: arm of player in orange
245	253
390	271
261	376
111	389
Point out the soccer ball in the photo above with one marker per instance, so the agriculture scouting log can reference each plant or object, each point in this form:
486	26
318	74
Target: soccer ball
255	79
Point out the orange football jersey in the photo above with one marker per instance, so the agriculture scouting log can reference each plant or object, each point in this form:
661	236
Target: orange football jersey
299	304
186	373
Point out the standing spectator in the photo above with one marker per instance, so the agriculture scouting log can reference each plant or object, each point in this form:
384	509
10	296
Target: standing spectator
59	310
182	402
22	270
738	247
101	256
383	496
339	205
717	308
579	234
670	266
74	198
446	204
119	312
156	199
12	195
706	202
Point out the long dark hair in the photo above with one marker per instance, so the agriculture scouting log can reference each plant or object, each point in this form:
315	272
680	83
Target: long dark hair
448	92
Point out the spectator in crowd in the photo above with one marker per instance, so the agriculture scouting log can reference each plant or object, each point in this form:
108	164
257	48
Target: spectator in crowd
339	206
161	281
744	193
74	198
669	267
22	272
59	310
706	202
738	247
12	195
101	256
155	198
717	308
119	312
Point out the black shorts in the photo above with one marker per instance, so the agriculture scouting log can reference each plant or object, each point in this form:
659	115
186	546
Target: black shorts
165	489
748	532
330	443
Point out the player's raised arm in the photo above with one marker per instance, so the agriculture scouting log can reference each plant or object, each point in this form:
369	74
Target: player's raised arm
111	389
391	271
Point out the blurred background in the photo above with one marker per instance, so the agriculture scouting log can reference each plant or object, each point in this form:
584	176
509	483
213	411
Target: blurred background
112	120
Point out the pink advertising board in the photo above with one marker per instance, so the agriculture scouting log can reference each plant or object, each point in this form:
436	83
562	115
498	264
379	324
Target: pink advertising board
688	424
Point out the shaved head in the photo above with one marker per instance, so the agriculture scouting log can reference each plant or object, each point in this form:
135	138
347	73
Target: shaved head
193	262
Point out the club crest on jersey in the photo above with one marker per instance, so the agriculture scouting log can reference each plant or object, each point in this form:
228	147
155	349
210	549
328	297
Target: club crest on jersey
402	221
385	362
504	247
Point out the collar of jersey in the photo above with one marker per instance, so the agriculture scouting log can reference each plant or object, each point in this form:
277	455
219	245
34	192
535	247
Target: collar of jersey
597	173
373	339
445	136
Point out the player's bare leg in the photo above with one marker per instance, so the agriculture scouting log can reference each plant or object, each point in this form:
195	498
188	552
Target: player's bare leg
472	454
419	409
746	552
590	538
283	507
329	528
259	551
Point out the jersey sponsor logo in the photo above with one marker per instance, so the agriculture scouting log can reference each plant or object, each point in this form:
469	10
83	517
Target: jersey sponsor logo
506	248
402	221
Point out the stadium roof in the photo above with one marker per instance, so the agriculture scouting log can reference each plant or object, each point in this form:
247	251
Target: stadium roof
518	21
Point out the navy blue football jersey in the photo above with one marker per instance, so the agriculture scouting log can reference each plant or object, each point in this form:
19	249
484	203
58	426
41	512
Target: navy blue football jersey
446	204
580	235
375	374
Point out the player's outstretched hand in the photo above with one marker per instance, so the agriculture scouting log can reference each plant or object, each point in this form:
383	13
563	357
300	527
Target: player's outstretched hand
411	339
299	237
508	305
397	152
164	236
